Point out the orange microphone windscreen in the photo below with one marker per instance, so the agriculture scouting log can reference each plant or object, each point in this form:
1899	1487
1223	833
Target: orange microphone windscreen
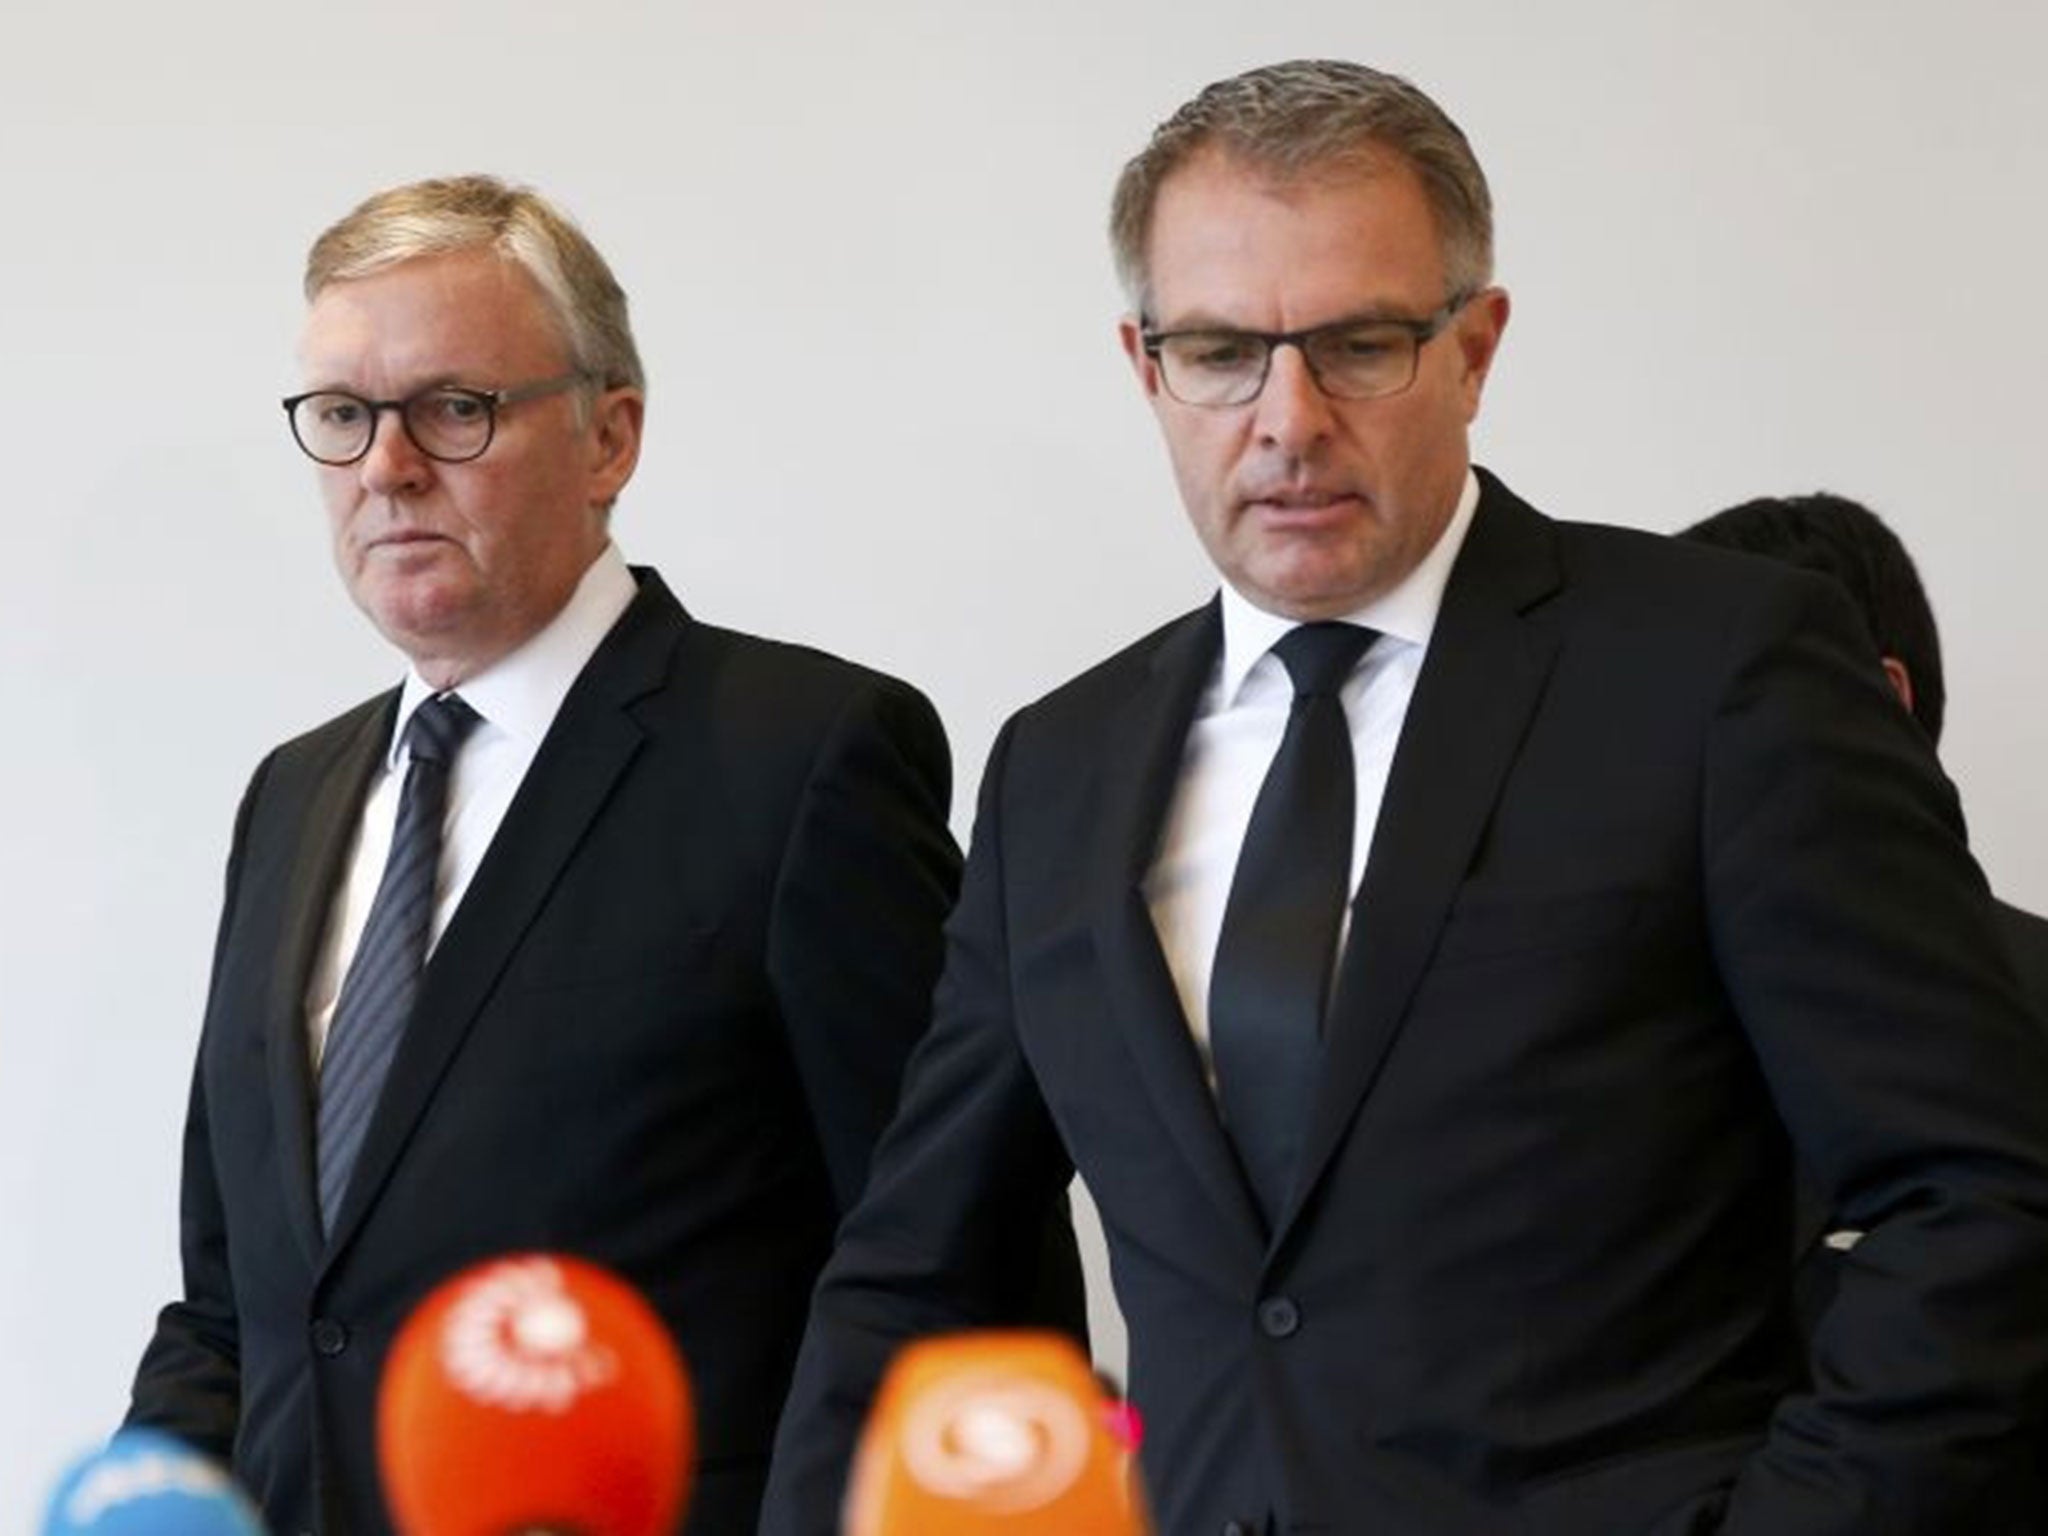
994	1434
535	1393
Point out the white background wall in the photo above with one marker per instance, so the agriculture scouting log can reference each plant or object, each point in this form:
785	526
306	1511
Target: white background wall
1765	245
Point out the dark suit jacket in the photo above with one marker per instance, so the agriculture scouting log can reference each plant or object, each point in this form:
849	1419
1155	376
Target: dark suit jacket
1821	1266
1662	873
2026	943
2026	938
663	1030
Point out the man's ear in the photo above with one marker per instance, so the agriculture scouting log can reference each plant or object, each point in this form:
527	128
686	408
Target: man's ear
615	419
1477	331
1901	679
1132	335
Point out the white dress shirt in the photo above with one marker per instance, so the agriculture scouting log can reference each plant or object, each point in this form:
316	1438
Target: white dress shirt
518	697
1236	734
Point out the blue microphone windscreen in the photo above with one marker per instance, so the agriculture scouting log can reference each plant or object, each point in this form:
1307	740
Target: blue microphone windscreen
147	1484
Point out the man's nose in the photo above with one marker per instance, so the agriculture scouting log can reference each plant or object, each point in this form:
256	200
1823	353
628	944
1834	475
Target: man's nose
1293	411
394	462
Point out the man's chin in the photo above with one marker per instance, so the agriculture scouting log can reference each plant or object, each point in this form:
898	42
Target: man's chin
1306	595
421	618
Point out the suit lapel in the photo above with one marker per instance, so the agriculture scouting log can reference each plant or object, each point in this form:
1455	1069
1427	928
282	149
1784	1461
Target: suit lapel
330	828
588	747
1488	659
1141	755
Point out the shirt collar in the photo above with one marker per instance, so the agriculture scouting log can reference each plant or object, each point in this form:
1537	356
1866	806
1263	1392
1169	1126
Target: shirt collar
1406	614
519	694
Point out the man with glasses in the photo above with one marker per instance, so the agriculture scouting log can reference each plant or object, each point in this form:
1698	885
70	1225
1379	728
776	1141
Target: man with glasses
1429	951
607	931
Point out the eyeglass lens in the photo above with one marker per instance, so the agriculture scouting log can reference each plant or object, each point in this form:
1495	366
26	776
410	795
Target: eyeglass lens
1354	362
448	424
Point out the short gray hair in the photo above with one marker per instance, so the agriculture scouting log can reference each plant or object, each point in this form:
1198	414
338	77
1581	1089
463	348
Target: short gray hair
1300	119
464	213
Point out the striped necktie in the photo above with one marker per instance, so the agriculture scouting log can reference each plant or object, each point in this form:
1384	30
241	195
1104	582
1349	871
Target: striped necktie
383	979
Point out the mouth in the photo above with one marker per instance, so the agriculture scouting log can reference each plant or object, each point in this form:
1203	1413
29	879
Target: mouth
1304	504
401	539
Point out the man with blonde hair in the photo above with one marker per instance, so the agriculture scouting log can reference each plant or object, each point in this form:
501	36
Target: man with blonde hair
1429	951
607	931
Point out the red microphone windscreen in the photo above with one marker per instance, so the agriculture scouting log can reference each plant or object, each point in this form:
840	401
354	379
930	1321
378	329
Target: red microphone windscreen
994	1434
535	1393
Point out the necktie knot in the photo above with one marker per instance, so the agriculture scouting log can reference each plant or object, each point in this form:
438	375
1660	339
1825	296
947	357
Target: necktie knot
1319	656
437	728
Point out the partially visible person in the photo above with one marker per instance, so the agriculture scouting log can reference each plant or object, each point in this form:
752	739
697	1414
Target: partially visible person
1844	539
605	931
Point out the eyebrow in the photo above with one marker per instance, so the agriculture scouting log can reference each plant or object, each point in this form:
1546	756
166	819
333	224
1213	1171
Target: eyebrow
1376	314
442	380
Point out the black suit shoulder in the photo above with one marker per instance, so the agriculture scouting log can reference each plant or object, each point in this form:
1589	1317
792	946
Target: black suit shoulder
321	741
303	761
1626	572
803	671
1654	585
816	765
1686	638
778	697
1082	699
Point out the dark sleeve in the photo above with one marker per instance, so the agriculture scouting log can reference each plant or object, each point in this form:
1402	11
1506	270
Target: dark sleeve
1854	935
953	1221
189	1381
855	936
2026	940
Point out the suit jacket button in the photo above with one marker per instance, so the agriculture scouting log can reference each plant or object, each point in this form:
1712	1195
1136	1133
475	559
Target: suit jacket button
329	1337
1279	1318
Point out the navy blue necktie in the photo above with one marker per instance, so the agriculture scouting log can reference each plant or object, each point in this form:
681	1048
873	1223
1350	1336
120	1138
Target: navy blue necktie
1277	950
383	979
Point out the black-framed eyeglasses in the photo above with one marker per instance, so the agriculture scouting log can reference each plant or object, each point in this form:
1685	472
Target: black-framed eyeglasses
446	422
1360	359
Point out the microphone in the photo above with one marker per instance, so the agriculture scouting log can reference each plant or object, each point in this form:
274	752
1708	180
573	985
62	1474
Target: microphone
144	1483
995	1434
535	1393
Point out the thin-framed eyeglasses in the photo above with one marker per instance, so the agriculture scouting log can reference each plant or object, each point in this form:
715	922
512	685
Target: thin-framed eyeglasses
1358	359
446	422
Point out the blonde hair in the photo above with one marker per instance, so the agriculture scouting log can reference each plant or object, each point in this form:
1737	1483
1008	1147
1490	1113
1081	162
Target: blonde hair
464	213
